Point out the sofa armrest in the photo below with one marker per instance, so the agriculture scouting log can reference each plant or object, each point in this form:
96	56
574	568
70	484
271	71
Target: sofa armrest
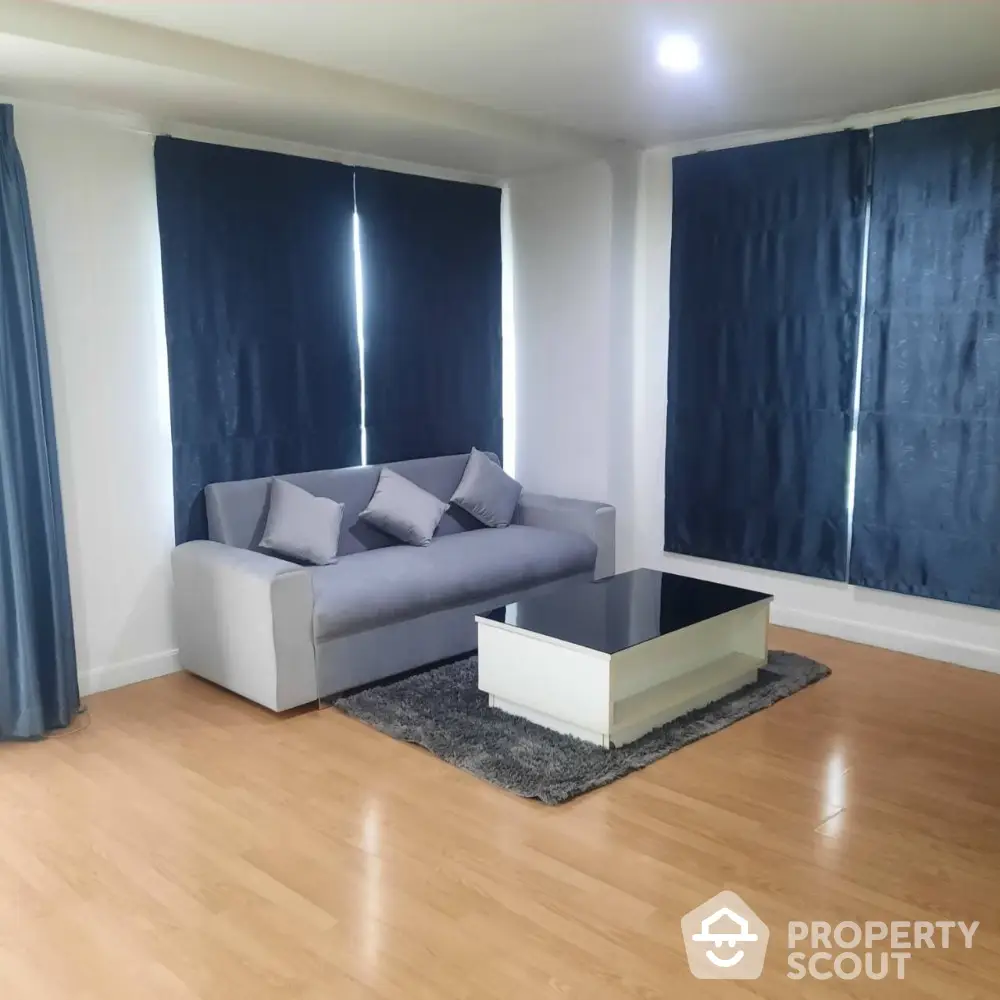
595	520
245	621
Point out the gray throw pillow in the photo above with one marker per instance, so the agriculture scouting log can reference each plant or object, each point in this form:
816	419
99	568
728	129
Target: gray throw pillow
487	492
402	509
302	526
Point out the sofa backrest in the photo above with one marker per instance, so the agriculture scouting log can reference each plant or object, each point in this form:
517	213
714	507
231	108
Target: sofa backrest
237	511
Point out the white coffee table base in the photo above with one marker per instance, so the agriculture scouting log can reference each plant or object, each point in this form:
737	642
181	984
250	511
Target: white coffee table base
616	698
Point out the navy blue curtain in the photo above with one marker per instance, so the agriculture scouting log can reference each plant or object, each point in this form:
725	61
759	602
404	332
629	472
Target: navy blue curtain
927	501
432	299
38	678
258	287
764	308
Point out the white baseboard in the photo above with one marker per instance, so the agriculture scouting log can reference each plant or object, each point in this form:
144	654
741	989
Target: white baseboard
917	644
116	675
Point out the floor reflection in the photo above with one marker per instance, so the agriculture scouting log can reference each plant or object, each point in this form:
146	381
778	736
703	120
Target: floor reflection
833	805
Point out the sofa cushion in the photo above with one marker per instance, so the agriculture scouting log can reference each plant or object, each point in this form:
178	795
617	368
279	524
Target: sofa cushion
403	510
301	526
370	589
487	492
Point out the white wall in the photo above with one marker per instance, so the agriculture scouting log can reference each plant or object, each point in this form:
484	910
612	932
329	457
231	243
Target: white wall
573	242
93	204
561	224
966	635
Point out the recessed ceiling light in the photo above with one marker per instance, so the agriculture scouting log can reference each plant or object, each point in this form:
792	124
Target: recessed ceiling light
679	54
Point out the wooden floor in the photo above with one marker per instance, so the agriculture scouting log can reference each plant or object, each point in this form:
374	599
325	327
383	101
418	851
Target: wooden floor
190	845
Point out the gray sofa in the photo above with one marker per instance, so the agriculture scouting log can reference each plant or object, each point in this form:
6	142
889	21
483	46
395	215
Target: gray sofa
283	634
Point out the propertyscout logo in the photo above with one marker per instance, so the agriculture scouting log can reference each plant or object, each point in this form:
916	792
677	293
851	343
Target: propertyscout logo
725	939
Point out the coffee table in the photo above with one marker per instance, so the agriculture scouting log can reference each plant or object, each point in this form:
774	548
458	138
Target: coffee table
608	661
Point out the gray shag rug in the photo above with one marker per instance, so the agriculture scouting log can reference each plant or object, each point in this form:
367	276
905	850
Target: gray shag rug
444	711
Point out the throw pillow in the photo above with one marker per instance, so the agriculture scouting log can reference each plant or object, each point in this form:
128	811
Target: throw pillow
487	492
402	509
302	526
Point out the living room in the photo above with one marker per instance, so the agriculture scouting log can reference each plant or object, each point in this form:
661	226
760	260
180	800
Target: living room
727	619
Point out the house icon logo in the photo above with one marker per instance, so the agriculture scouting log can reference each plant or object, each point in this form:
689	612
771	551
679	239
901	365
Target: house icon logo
725	939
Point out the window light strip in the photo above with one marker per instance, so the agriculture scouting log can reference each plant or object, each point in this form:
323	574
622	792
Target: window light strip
852	453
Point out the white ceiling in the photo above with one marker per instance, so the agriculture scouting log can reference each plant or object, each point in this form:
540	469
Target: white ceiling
157	98
494	86
589	64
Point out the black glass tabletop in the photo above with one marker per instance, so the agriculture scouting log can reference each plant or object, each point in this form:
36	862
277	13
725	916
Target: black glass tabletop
624	610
